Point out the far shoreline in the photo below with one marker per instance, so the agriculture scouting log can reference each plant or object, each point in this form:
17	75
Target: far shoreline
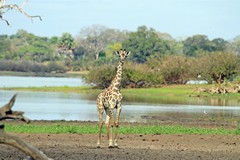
44	74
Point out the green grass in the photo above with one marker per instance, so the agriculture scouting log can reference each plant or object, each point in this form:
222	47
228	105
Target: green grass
174	130
157	94
127	129
54	128
173	90
174	94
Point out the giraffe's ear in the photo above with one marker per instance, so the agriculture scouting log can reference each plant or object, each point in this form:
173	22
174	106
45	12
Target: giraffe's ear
128	53
117	52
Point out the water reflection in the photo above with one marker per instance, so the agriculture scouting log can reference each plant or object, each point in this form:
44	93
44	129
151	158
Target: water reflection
74	106
172	100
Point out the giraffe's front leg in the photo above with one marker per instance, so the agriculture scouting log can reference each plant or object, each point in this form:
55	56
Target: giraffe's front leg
109	125
119	109
109	131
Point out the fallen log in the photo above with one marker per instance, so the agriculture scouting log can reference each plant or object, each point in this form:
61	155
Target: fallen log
6	112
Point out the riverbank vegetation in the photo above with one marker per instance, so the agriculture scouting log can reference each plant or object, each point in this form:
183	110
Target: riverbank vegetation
55	128
166	94
164	90
156	58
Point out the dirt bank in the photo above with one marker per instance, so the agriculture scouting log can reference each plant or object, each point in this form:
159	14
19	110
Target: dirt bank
132	147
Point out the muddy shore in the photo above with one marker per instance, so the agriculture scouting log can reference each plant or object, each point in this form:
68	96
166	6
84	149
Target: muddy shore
132	146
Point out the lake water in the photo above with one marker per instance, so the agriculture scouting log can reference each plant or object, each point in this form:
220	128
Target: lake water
74	106
18	81
79	106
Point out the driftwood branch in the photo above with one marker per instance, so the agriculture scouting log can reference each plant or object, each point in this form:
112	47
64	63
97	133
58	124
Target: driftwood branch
219	89
6	112
23	146
7	7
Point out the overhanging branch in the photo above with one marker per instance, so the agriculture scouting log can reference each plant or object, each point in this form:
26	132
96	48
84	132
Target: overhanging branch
5	8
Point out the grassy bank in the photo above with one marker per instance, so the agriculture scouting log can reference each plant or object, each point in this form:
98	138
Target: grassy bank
126	129
168	90
173	94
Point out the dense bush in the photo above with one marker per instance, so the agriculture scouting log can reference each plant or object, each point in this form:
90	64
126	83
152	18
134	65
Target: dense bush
101	76
174	68
171	69
140	75
58	67
134	75
219	66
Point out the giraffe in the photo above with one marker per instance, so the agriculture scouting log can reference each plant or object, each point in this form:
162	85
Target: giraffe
110	99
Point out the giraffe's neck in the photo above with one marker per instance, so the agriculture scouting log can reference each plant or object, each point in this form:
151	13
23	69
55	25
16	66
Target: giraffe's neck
115	84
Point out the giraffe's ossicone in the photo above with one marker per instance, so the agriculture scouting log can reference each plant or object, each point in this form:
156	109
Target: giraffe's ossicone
110	99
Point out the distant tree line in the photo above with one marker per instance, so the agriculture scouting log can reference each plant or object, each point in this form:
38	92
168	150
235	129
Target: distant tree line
156	57
29	66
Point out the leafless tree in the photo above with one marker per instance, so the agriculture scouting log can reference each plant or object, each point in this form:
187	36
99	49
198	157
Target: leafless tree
95	38
4	8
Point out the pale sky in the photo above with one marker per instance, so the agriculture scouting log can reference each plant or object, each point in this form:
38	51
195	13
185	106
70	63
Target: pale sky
179	18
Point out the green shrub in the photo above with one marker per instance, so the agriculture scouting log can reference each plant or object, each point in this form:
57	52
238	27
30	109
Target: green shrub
218	66
134	75
101	76
55	66
175	69
140	75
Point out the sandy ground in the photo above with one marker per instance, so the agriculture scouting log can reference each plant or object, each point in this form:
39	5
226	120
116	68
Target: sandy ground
132	147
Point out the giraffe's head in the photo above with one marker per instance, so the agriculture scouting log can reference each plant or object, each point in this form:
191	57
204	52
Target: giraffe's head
122	54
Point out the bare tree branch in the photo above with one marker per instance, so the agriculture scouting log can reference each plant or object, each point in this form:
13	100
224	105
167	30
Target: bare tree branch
5	8
24	3
5	21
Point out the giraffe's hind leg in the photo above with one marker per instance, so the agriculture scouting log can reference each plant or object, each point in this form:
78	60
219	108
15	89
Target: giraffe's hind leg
109	126
100	113
116	124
